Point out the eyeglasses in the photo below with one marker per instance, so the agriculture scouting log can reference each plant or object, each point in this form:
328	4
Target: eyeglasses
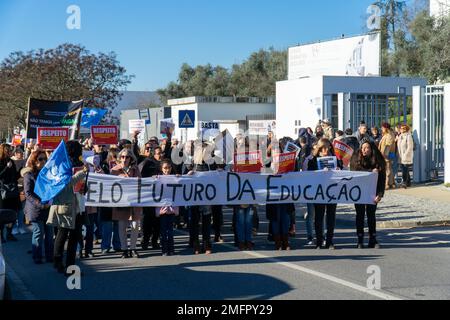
125	157
42	159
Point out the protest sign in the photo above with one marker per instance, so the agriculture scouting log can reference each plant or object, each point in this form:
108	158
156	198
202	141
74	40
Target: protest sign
343	152
17	140
49	138
292	147
209	130
248	162
327	163
226	188
54	114
284	162
167	126
261	127
136	125
104	135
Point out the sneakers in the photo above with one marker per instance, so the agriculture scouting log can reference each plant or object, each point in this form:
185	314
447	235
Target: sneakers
134	254
218	239
373	244
89	255
330	246
310	242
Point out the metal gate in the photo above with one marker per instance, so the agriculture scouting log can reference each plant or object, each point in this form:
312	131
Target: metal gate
429	133
376	109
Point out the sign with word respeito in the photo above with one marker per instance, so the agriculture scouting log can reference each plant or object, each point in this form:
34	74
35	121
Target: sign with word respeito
104	135
50	138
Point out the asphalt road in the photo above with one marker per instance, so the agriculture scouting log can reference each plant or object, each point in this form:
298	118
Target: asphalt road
413	264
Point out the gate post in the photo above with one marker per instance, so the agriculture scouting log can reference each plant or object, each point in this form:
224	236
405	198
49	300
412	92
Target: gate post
419	135
447	133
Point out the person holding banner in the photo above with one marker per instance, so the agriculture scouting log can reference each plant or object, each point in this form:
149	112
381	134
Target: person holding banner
324	148
369	159
127	168
66	212
201	213
167	217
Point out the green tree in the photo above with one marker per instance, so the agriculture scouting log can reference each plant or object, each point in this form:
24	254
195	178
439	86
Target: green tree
256	76
68	72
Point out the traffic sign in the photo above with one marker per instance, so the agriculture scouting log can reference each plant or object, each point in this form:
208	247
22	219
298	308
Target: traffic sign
186	119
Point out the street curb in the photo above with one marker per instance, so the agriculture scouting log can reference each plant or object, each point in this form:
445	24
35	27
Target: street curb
19	290
399	224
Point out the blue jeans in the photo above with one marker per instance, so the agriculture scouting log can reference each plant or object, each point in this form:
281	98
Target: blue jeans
281	221
310	220
244	224
21	218
395	166
42	241
110	230
167	242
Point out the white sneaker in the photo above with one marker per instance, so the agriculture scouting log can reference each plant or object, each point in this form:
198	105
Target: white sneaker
15	231
23	231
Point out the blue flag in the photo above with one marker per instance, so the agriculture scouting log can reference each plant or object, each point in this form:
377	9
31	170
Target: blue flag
55	176
92	117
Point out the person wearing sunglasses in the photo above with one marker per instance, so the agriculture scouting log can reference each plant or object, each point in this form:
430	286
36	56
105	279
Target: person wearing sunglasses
127	168
36	211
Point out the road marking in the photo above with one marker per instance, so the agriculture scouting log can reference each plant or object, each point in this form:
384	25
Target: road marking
376	293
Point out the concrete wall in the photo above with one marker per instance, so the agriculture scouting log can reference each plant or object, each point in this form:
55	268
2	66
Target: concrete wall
153	129
232	116
370	85
298	100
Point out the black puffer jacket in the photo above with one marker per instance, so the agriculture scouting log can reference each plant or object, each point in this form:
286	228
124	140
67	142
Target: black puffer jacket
34	209
9	176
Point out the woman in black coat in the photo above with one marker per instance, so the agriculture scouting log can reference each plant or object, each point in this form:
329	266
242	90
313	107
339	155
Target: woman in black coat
36	211
8	181
369	159
324	148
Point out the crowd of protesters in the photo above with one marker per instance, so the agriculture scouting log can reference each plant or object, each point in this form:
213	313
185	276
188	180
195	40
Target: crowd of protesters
58	226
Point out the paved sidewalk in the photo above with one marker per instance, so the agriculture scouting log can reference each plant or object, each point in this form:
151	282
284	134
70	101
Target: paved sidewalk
415	207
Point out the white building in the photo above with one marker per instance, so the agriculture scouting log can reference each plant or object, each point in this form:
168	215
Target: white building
439	8
231	113
344	100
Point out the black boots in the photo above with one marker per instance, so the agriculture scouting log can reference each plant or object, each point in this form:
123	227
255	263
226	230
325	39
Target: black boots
58	265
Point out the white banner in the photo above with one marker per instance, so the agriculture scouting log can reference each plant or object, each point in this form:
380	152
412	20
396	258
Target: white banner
224	188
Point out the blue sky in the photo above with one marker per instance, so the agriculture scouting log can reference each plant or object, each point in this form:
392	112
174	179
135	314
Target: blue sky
152	38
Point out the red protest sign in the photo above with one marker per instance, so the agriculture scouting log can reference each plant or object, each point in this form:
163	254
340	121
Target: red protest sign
284	162
248	162
104	135
17	140
343	152
50	138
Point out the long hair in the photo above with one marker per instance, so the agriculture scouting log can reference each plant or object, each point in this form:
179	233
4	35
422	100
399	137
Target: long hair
5	150
323	143
375	161
33	160
74	151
